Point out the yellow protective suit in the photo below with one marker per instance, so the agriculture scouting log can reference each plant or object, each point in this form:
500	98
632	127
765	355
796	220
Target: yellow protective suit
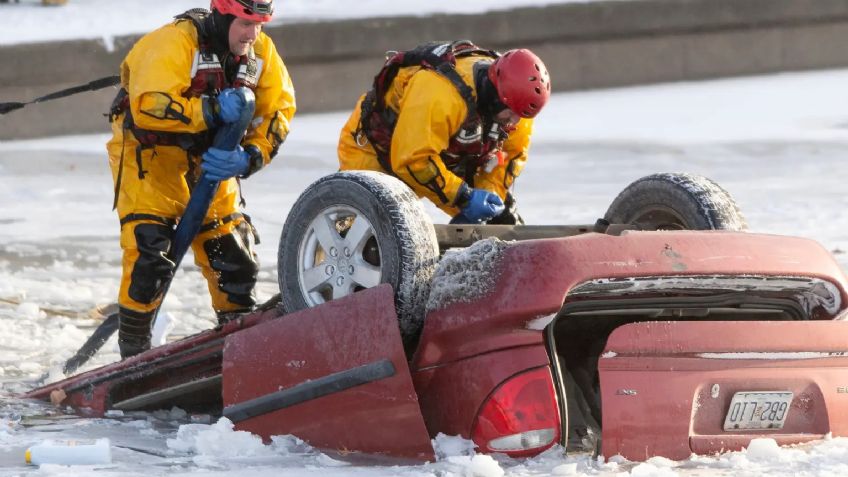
152	185
431	112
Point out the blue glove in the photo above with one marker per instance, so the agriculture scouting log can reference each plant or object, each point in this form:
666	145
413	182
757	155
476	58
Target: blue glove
461	219
220	165
482	205
230	104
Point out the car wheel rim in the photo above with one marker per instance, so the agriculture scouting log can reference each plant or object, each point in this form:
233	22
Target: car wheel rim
338	255
659	218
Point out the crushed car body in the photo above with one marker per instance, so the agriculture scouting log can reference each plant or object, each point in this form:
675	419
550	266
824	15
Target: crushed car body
646	343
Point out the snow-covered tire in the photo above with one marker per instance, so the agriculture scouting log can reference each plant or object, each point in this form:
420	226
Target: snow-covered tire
354	230
676	201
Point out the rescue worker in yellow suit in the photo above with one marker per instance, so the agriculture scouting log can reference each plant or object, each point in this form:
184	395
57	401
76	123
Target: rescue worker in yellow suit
453	122
180	84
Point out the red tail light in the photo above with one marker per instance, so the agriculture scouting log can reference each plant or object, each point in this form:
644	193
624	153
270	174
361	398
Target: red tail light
521	417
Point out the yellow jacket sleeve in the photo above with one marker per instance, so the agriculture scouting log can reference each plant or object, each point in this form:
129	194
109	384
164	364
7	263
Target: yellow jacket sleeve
500	179
275	101
430	112
159	70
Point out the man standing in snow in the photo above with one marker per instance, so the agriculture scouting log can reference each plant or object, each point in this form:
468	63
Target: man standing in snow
180	85
453	121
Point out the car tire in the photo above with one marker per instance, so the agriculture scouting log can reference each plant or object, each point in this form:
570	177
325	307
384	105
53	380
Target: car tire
675	201
393	242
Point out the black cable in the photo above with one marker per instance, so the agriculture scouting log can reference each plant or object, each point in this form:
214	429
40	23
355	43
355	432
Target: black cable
90	86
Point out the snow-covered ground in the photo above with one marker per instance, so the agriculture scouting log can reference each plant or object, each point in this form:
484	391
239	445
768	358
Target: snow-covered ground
29	22
776	143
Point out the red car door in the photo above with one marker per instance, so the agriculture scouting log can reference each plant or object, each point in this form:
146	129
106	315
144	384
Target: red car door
335	376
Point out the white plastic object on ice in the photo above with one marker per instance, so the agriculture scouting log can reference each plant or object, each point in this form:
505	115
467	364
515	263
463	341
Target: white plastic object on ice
162	326
70	452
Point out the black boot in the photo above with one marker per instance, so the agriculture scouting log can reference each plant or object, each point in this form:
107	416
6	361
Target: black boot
134	331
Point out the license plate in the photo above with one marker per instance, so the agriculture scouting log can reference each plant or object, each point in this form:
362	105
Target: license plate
758	410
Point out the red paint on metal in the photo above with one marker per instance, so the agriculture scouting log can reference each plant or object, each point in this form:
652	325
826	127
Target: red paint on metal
452	394
381	417
662	396
468	348
90	391
535	277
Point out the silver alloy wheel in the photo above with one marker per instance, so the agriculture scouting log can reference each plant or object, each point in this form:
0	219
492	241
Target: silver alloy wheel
384	227
338	255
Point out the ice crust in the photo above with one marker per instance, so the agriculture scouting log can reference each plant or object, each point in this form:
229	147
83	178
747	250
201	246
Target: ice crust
464	275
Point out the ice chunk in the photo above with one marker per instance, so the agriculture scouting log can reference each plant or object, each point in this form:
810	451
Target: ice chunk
763	450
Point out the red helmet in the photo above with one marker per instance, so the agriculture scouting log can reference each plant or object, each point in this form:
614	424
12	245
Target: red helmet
255	10
522	82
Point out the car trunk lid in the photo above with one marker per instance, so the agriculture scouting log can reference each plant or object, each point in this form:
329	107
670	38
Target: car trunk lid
674	388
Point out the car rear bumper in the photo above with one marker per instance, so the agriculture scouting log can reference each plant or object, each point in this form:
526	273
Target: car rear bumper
667	387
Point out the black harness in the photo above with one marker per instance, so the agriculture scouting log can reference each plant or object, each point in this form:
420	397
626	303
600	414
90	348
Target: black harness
209	77
378	121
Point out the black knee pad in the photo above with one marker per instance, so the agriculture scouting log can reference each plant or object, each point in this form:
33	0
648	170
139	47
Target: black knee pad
153	269
232	256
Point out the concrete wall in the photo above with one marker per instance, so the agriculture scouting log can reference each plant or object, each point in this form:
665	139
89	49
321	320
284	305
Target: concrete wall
585	45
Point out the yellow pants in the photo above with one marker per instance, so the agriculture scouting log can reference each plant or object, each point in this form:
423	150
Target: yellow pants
152	192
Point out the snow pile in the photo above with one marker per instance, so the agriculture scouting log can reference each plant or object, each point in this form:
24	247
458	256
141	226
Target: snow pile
655	467
29	310
467	274
452	446
9	425
215	442
472	466
764	450
457	457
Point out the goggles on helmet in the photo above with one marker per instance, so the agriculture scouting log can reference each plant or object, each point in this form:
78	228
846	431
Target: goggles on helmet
261	8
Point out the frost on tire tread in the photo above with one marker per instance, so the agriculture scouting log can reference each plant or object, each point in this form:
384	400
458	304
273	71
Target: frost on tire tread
389	204
712	206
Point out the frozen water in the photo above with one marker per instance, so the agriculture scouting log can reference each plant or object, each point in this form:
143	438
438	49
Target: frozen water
783	162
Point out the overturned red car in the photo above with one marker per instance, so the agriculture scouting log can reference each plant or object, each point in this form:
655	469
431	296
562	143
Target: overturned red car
664	329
